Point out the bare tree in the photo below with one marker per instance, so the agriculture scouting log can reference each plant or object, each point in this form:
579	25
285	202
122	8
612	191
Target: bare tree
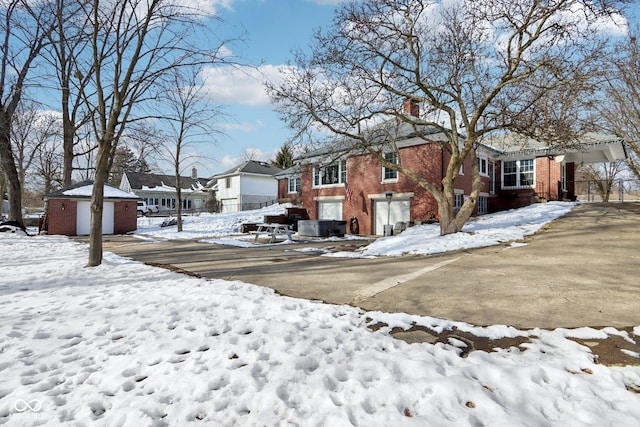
133	44
189	117
474	67
619	107
250	153
602	176
31	131
68	42
24	30
49	166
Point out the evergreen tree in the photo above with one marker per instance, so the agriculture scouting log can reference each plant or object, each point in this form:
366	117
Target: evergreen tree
126	160
284	157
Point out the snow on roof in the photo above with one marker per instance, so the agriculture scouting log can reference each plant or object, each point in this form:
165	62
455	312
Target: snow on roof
85	189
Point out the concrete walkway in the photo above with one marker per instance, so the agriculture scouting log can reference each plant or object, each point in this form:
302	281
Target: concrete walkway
582	270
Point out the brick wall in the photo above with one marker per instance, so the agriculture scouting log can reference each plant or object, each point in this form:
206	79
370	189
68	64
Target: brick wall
364	175
62	221
125	217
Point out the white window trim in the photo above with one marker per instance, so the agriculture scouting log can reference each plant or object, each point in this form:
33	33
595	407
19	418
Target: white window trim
486	161
289	184
396	196
485	196
340	173
328	198
390	180
517	173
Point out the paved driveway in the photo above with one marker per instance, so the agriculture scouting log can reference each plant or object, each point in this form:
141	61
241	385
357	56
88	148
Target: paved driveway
582	270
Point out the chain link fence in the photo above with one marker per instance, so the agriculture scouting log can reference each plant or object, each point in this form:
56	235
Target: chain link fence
613	190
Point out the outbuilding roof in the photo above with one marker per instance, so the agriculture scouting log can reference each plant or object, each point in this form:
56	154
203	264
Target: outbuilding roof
84	189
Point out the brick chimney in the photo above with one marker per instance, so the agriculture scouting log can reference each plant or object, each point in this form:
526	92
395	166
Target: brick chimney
194	173
411	107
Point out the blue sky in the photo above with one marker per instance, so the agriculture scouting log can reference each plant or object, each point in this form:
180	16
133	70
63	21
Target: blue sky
273	29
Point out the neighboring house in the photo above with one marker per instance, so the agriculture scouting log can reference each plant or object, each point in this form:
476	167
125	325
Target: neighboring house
160	190
514	172
250	185
68	211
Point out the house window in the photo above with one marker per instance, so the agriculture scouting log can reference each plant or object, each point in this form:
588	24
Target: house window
483	203
518	173
390	174
294	184
492	178
227	182
335	173
483	166
458	201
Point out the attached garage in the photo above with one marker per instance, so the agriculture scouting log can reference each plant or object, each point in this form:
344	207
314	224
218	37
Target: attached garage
68	211
385	212
330	208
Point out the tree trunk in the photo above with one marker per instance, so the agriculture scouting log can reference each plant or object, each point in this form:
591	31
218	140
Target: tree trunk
97	198
68	134
7	161
451	221
179	200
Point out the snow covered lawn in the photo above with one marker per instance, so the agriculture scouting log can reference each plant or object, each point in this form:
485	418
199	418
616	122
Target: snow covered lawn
126	344
486	230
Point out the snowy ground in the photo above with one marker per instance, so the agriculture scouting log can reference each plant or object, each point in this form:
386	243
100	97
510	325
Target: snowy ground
126	344
424	239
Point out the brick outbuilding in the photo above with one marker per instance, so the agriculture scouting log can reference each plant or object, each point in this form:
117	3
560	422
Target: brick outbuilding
68	211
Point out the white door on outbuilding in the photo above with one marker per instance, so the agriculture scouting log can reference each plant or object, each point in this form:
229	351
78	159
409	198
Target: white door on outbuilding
330	209
398	210
83	218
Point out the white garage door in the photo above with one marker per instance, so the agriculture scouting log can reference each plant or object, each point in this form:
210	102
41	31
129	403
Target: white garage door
399	210
83	218
330	210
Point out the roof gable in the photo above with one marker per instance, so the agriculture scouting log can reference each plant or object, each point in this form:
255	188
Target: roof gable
251	167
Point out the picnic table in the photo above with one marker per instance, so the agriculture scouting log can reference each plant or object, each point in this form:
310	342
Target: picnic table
273	230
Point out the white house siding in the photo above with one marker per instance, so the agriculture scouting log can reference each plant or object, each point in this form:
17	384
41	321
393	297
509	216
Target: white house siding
259	186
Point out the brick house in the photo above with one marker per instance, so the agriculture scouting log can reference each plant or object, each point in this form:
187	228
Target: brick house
515	172
68	212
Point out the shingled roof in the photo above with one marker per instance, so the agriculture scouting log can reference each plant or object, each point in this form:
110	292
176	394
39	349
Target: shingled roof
150	180
251	167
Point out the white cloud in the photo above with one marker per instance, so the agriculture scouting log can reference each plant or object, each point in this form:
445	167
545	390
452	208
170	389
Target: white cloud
327	2
208	7
243	126
240	85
